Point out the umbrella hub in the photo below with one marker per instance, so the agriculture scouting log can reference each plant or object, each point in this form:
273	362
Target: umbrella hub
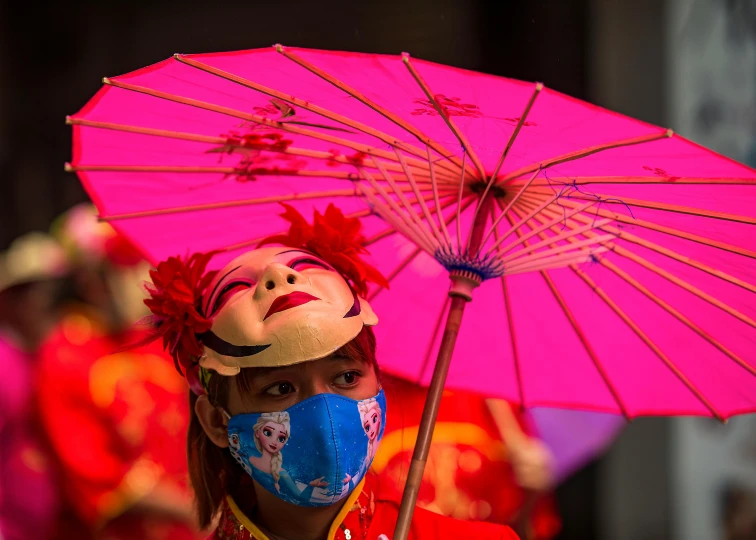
463	282
479	187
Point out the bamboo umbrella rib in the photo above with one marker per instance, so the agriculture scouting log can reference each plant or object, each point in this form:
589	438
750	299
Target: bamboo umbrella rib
510	142
674	312
410	211
513	137
571	156
679	282
231	204
510	321
450	199
409	228
556	261
654	180
678	315
536	230
459	212
258	120
514	200
628	237
700	212
445	115
647	341
680	258
517	227
684	285
409	259
307	105
423	206
666	230
255	241
419	135
224	141
398	219
434	186
581	244
582	337
338	175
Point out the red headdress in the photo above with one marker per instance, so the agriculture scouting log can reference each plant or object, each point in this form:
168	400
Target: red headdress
178	285
175	298
336	239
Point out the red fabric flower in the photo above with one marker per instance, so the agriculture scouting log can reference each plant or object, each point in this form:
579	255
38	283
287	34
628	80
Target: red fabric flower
336	239
175	294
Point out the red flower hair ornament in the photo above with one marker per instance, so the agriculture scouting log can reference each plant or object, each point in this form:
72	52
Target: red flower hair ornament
178	285
175	297
336	239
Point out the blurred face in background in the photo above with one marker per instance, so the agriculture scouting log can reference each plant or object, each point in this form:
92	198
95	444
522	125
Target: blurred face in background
28	311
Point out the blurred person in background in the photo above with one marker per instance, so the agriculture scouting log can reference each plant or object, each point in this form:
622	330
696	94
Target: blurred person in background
738	512
472	473
115	413
29	282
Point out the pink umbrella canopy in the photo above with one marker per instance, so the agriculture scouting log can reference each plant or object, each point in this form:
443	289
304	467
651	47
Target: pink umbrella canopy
616	258
192	154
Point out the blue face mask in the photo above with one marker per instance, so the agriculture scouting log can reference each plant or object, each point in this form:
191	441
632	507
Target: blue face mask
313	453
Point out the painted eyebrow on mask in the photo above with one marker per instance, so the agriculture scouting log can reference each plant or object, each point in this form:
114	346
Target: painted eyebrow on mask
218	284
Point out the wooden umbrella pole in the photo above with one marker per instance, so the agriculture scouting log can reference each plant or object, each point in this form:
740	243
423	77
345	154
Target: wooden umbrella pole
436	389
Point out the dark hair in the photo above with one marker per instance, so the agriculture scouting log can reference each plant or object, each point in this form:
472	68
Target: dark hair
212	471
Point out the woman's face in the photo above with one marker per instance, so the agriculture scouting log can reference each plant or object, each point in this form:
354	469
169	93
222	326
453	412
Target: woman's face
276	389
371	423
279	306
272	437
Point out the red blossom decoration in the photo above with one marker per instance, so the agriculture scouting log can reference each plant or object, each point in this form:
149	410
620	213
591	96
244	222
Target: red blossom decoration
336	239
661	173
175	294
452	106
357	159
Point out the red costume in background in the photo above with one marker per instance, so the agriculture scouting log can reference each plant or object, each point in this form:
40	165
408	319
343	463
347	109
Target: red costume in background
467	475
117	422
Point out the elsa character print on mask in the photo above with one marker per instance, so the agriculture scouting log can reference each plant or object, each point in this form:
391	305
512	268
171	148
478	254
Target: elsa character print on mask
371	417
271	433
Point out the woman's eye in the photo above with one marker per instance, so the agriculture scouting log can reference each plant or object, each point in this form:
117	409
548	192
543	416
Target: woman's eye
347	379
306	263
280	389
282	440
366	427
267	432
375	419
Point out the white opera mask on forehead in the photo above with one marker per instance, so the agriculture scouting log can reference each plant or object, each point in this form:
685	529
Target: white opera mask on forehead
278	306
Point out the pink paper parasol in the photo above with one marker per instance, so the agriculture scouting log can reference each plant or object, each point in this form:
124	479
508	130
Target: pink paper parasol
617	259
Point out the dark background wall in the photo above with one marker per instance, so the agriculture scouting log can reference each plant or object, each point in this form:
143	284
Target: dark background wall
53	55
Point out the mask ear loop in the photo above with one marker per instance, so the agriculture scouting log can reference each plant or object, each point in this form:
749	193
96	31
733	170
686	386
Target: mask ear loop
225	413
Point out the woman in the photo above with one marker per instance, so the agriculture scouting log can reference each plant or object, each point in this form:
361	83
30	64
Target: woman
280	338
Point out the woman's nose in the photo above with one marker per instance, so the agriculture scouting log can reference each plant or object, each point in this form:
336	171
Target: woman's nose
279	276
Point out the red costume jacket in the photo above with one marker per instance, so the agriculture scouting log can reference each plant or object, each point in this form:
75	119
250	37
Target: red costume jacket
365	516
